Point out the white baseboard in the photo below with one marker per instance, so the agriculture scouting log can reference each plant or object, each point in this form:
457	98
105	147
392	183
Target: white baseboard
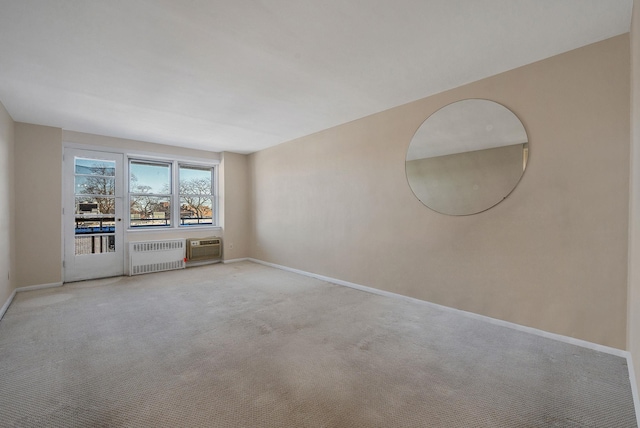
634	387
21	289
39	287
484	318
244	259
7	303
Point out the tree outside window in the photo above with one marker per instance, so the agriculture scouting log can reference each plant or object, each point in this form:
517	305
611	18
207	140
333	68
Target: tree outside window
150	193
196	195
155	197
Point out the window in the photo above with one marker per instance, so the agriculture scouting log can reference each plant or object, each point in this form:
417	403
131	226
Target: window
149	193
95	201
160	191
196	195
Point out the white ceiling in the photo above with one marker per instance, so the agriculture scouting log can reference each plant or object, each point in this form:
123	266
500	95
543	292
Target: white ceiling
243	75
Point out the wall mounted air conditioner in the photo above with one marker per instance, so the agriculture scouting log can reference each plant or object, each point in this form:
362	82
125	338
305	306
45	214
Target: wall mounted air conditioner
199	249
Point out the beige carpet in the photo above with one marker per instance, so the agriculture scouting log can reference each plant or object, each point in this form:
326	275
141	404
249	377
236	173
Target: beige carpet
244	345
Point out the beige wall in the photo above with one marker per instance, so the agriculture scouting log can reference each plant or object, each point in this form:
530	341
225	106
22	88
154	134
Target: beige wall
552	256
133	145
235	205
633	333
7	214
38	207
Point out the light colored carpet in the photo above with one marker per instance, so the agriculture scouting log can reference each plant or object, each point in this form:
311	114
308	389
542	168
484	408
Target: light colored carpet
244	345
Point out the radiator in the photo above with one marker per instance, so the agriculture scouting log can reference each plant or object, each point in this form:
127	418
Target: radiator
156	256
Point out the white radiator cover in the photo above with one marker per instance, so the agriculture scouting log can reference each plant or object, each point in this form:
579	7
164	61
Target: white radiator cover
156	256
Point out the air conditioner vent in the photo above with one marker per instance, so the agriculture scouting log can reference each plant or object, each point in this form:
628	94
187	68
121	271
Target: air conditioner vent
199	249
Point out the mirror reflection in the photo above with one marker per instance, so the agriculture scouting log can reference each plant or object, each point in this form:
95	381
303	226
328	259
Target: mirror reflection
467	157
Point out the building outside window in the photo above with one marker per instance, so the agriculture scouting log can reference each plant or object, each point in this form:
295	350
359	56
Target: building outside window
156	188
196	195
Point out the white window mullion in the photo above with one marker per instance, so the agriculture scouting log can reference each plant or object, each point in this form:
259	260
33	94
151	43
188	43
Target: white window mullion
175	194
216	202
200	201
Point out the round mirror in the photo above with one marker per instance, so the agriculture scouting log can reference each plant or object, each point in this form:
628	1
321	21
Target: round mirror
467	157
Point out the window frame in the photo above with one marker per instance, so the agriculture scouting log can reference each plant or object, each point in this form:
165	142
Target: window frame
174	196
212	196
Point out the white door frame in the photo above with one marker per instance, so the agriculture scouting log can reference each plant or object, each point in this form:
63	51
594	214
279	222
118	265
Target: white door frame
97	265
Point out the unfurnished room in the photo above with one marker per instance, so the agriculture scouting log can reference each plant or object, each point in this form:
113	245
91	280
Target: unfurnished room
319	213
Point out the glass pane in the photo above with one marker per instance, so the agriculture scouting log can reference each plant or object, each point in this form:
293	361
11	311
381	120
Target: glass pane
94	185
95	244
196	210
195	180
95	167
146	177
88	226
95	215
150	210
86	205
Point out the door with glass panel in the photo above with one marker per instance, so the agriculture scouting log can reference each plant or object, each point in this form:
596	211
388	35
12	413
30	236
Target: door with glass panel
93	215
